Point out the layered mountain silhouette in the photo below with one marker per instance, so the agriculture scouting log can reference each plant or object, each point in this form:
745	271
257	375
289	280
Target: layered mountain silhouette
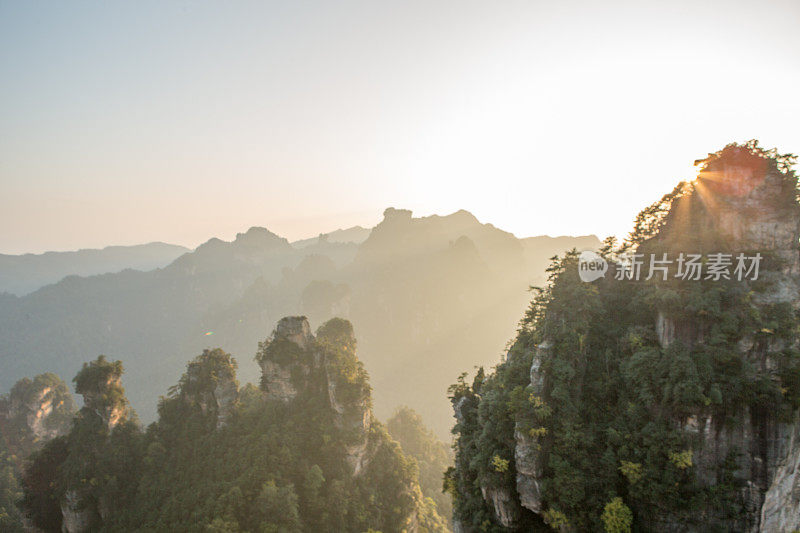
23	274
426	295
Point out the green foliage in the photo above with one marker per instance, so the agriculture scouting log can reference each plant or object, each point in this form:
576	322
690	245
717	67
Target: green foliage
631	471
555	519
611	416
278	508
682	459
617	517
206	370
499	464
100	380
271	467
337	340
10	493
41	483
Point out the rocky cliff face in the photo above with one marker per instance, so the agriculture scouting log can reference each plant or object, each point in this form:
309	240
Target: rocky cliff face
746	205
526	456
743	206
670	404
210	384
297	364
100	385
781	508
34	411
99	401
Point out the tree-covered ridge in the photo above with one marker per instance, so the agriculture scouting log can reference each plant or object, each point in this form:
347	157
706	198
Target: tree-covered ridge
228	458
646	405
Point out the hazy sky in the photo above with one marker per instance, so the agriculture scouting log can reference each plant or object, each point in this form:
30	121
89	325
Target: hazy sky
130	122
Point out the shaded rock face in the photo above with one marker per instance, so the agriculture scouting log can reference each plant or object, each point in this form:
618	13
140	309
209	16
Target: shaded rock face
76	516
295	363
284	367
36	410
210	383
225	393
781	508
277	381
669	329
112	413
295	329
458	527
354	417
526	449
504	504
459	408
529	471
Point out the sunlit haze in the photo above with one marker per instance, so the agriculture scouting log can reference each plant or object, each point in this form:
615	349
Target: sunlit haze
124	123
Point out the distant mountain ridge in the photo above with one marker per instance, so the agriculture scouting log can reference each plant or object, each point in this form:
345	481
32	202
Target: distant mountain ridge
355	234
23	274
428	295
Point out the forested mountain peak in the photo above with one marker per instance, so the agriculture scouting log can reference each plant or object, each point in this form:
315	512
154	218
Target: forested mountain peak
665	403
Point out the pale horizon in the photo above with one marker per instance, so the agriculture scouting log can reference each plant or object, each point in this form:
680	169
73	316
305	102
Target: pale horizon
229	237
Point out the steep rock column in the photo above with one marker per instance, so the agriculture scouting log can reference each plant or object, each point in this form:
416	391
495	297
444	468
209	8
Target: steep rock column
526	450
210	384
348	389
781	509
284	360
100	384
295	363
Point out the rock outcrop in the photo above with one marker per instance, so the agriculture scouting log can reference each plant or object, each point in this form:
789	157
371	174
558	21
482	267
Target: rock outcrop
104	405
738	205
100	384
210	384
75	516
34	411
529	471
781	508
528	462
295	364
284	354
506	508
